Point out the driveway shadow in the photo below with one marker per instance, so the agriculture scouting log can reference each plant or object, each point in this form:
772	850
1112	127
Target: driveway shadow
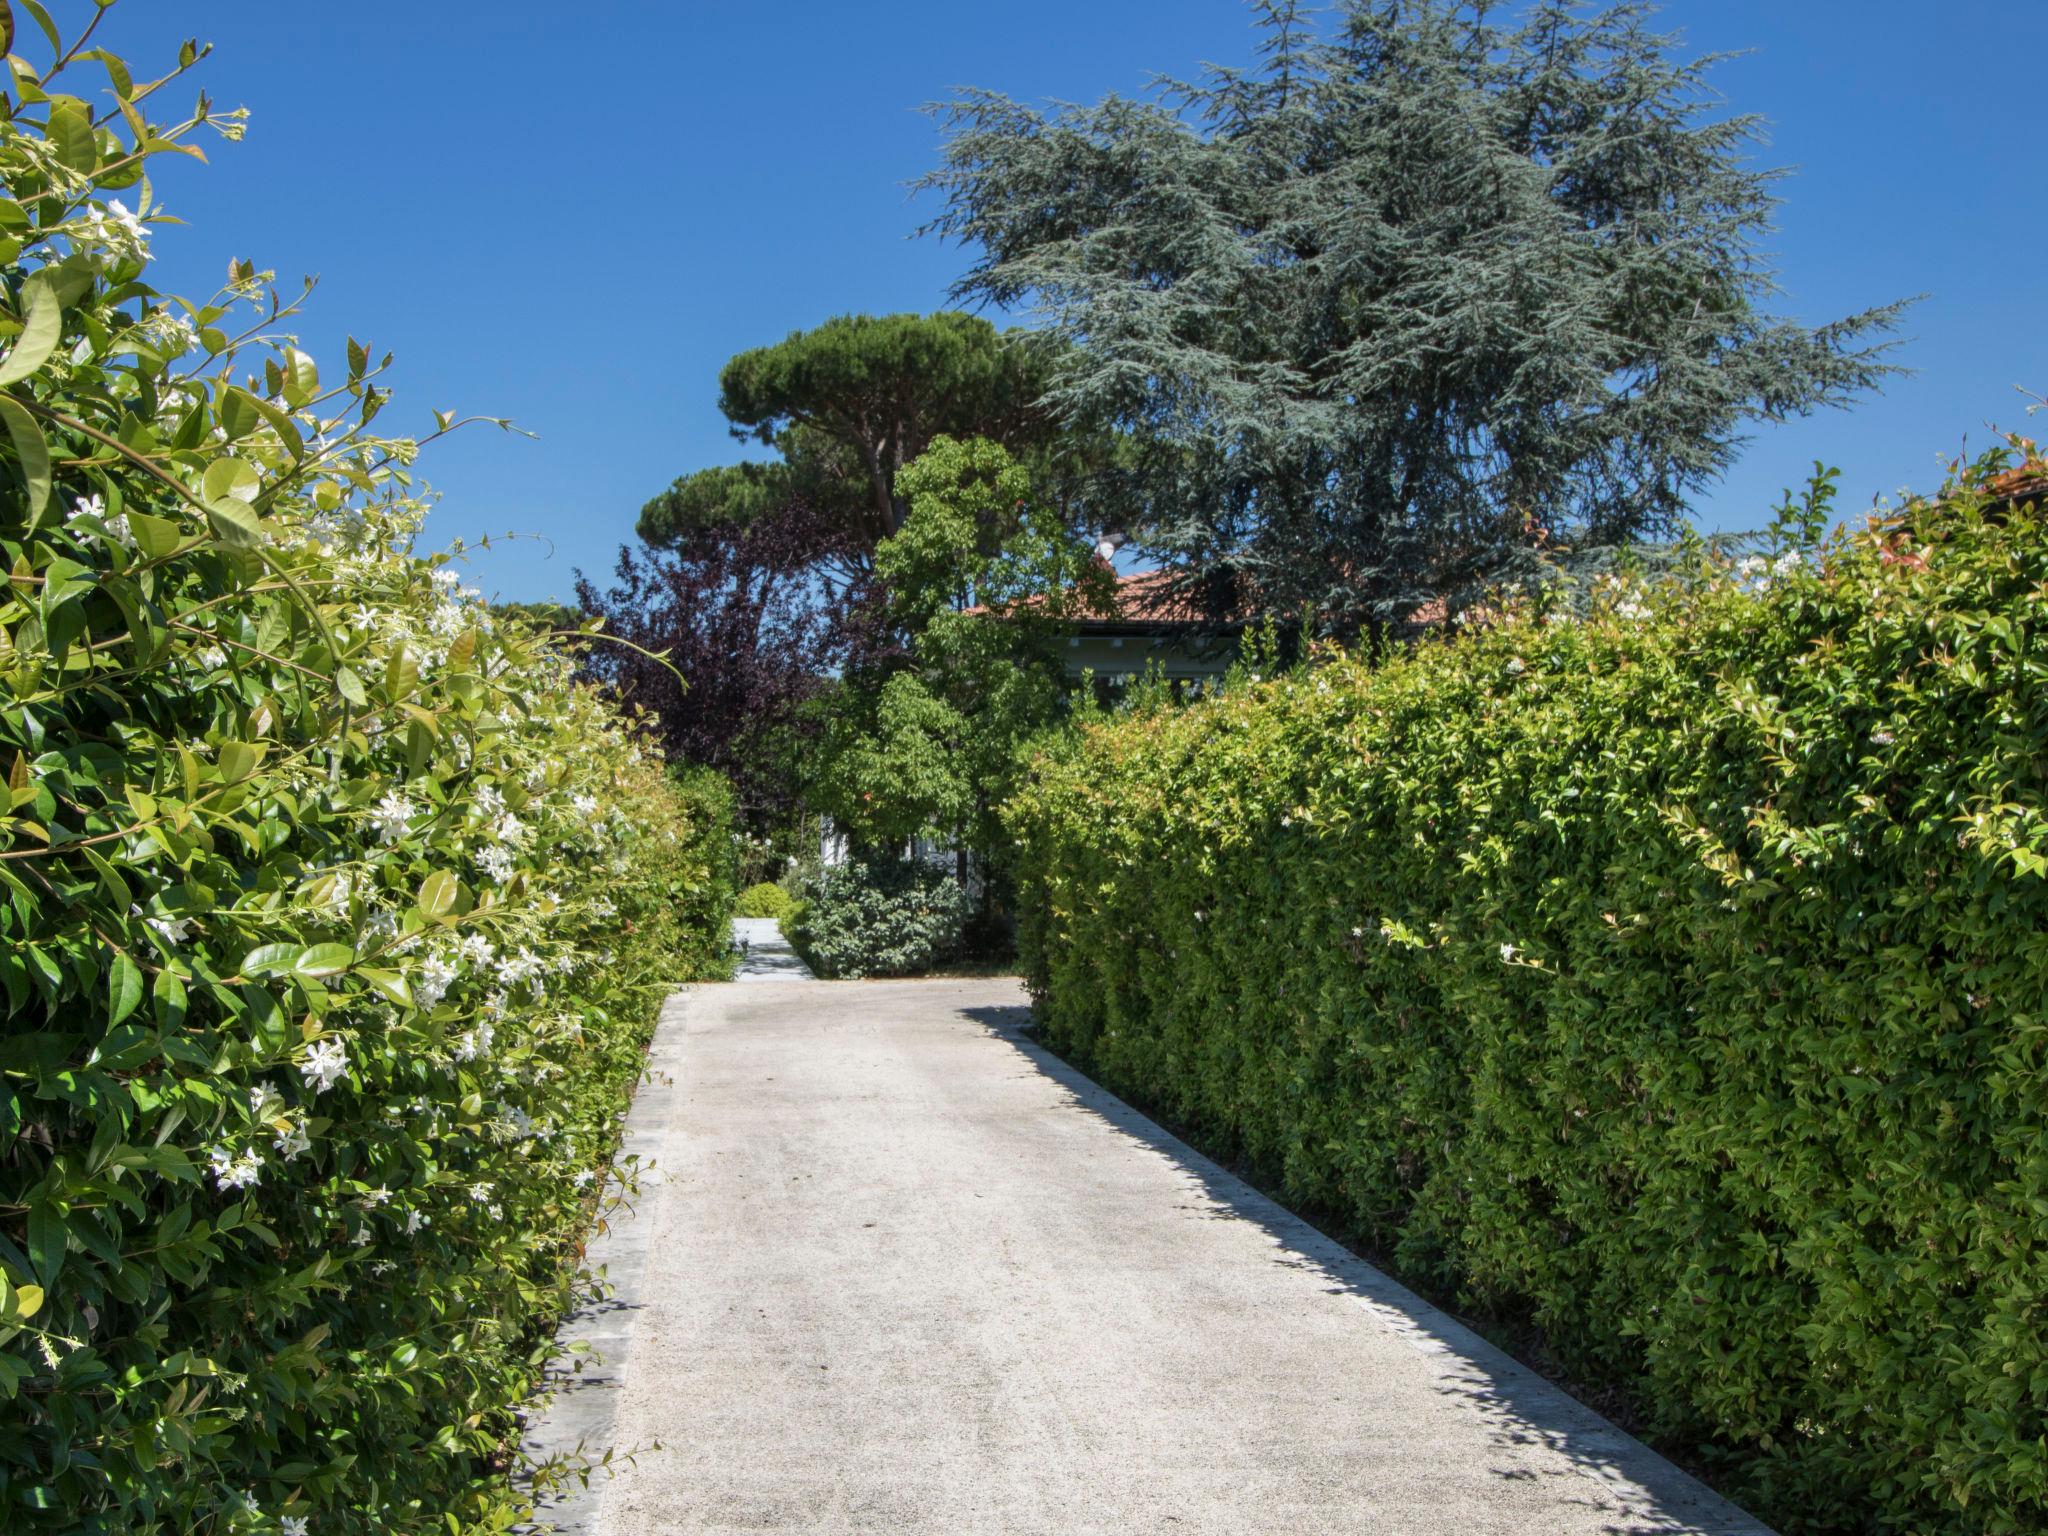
1518	1406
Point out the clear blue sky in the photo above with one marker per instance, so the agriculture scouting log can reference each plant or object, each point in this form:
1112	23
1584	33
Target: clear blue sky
572	215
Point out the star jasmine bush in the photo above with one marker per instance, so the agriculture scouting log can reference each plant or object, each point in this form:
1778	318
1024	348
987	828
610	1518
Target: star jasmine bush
326	898
1669	978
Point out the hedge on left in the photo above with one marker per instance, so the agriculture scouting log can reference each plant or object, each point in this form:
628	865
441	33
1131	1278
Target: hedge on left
332	912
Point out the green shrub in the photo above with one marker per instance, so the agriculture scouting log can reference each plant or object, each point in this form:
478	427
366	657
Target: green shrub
333	915
766	900
1674	980
704	907
878	916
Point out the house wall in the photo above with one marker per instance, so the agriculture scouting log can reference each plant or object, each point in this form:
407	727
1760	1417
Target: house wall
1116	658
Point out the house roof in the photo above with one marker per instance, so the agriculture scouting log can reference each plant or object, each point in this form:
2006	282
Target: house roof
2028	482
1140	599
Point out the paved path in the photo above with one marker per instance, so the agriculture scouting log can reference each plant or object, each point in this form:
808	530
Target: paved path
904	1272
765	954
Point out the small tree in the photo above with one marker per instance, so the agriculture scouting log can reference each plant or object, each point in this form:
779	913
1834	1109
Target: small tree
1398	306
982	576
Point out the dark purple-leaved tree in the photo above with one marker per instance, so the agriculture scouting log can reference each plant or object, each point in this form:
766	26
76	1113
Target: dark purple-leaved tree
740	611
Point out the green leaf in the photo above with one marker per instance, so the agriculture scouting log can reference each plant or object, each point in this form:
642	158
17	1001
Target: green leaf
388	985
301	377
64	579
33	450
239	759
71	135
271	959
124	988
47	1241
438	892
401	674
229	489
324	960
156	537
234	524
350	687
41	329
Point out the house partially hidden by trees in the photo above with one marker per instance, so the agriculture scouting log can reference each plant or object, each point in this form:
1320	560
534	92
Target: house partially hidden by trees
1150	625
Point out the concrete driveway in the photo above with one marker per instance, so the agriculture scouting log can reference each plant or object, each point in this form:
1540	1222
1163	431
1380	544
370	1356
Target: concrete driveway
901	1271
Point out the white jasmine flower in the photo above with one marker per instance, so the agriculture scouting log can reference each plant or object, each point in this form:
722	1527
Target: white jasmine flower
524	966
172	930
477	1042
496	863
211	657
293	1142
265	1102
476	949
584	1177
324	1065
433	981
233	1172
413	1222
1883	738
392	818
89	506
489	803
509	829
1507	954
1516	666
479	1192
584	805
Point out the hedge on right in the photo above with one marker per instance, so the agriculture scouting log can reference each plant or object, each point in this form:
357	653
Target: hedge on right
1672	979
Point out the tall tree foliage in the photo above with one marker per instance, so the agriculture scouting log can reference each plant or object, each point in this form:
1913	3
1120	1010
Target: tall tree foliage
1403	302
847	405
728	642
923	736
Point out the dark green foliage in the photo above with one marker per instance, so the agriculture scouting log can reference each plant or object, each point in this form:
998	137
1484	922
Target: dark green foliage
979	582
878	916
1673	980
710	856
1384	314
848	404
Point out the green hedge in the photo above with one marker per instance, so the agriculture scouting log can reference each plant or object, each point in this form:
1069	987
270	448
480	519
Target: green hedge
333	914
708	899
1673	980
766	899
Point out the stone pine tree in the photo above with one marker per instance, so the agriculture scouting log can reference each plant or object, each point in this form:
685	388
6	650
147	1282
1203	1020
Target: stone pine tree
1419	293
847	405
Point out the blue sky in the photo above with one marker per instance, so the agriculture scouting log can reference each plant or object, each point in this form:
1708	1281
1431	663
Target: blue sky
573	215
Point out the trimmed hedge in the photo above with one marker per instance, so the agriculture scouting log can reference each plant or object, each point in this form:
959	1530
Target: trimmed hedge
1673	980
707	899
333	914
766	900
